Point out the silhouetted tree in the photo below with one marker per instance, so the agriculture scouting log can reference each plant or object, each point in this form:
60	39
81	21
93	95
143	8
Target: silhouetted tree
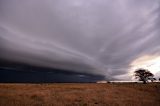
143	75
159	79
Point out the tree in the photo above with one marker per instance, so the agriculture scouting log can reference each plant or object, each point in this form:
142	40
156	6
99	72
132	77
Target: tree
143	75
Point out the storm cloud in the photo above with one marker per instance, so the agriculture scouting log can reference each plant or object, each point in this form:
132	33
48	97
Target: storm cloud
100	37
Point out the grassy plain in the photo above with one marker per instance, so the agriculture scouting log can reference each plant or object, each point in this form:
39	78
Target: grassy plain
80	94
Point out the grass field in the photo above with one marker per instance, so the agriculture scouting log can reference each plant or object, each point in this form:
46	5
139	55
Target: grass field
79	94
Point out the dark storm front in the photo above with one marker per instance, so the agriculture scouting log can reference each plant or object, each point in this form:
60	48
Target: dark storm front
15	72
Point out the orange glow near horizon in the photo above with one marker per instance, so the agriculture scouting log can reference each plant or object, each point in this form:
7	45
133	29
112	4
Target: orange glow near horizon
151	63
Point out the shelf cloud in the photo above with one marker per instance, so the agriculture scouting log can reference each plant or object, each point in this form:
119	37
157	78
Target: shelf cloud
100	37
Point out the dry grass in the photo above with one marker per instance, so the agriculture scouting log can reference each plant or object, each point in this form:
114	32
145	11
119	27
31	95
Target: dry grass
73	94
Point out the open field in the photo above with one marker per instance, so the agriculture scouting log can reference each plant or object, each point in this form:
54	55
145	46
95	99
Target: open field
78	94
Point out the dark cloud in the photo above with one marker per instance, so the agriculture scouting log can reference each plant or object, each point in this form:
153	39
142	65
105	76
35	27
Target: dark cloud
21	72
97	37
37	76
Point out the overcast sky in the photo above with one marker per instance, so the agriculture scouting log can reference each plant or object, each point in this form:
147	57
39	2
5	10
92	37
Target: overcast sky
103	37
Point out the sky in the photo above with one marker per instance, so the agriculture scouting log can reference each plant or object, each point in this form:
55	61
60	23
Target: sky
109	38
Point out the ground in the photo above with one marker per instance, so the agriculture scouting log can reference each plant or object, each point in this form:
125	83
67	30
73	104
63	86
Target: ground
80	94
